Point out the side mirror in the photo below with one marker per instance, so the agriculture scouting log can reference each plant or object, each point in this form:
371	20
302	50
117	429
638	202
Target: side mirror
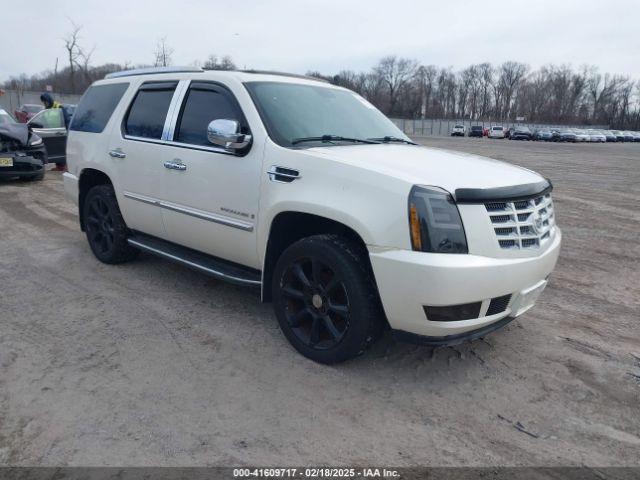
226	133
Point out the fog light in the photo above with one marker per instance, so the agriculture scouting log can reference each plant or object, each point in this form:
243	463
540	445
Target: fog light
452	313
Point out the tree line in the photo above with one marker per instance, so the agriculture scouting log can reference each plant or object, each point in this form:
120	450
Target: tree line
404	88
556	94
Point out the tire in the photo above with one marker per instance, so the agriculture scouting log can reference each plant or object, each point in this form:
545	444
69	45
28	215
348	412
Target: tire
106	230
325	299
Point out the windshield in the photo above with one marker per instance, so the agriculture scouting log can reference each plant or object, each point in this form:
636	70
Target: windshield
294	111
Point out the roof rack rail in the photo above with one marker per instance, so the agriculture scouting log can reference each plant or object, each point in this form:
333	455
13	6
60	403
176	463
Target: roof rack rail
152	70
285	74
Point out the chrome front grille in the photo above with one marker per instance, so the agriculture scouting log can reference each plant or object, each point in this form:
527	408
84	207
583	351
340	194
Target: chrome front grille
523	224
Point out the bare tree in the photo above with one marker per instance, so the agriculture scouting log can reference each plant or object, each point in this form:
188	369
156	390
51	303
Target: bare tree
73	52
394	73
213	63
163	53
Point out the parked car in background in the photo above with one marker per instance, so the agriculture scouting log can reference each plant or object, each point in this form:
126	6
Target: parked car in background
555	135
476	131
22	152
628	136
636	136
49	125
610	136
543	134
596	136
485	131
581	135
619	135
567	135
26	111
458	131
520	133
496	131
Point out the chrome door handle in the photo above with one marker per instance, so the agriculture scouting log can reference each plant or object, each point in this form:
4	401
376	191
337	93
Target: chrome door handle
59	134
117	153
175	165
283	174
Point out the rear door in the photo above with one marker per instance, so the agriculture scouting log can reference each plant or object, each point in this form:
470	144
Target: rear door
137	156
49	124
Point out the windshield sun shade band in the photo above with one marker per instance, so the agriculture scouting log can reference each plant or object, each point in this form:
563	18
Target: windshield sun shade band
516	192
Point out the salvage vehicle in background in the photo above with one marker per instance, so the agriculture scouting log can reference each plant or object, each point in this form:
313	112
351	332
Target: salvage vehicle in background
567	135
49	125
520	133
596	136
26	111
543	134
476	131
610	136
458	131
496	131
22	152
581	135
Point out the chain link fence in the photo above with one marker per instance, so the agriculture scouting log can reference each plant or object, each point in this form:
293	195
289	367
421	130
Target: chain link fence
442	127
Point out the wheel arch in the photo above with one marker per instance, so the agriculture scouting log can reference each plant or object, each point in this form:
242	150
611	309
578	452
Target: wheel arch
89	178
287	227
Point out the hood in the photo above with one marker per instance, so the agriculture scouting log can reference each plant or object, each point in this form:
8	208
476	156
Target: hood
16	131
430	166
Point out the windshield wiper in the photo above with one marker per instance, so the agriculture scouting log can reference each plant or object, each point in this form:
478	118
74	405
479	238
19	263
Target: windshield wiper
331	138
388	139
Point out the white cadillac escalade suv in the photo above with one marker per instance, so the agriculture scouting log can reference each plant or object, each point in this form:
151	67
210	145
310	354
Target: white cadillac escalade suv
307	192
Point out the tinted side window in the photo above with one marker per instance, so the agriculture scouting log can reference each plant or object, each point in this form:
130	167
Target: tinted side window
202	105
96	106
149	110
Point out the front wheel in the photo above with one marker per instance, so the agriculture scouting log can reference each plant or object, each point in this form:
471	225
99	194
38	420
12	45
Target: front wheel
325	298
106	230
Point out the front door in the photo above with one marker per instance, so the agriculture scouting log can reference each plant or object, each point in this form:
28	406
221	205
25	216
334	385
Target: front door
211	197
49	125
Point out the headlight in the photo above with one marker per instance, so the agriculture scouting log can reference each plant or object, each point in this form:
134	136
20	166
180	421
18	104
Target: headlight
35	142
434	222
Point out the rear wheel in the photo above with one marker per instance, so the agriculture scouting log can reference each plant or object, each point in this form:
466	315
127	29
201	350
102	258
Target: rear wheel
106	230
325	299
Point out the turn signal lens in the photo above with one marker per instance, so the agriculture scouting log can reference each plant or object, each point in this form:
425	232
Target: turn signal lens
414	220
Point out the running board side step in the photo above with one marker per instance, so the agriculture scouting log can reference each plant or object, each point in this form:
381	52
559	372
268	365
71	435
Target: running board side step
210	265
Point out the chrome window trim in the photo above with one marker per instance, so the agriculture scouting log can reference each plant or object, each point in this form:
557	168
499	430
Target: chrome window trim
171	121
174	109
208	216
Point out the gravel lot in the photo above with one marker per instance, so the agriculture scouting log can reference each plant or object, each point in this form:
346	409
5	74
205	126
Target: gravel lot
149	363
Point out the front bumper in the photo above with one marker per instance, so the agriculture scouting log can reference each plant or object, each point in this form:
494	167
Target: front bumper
23	166
408	281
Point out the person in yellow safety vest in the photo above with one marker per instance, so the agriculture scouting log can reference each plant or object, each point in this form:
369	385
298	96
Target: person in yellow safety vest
48	102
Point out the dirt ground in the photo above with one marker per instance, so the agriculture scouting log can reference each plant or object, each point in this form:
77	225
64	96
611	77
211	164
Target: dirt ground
149	363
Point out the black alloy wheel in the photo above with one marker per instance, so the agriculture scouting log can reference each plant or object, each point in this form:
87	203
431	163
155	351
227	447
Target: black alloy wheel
317	304
106	230
325	298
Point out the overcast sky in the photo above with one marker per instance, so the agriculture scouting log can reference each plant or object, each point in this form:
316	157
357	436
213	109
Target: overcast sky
327	35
